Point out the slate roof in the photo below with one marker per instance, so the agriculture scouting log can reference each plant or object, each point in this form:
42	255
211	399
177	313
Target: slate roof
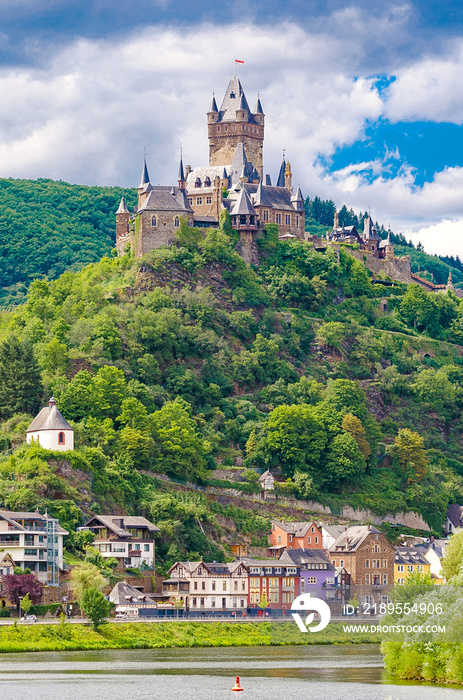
278	197
386	241
243	205
333	530
122	207
298	529
260	198
305	558
125	594
409	555
213	107
436	545
161	198
234	96
281	174
258	109
263	477
455	514
241	166
113	522
369	230
49	418
204	172
351	539
145	178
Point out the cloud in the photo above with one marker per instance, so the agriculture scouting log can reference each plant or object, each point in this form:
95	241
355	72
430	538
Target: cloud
86	112
444	238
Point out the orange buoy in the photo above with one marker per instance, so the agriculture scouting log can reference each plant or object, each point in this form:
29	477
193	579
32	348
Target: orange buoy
237	684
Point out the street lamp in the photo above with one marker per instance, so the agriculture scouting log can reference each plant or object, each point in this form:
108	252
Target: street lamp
65	601
20	599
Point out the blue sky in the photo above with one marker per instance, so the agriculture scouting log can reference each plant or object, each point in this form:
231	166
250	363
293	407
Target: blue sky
366	97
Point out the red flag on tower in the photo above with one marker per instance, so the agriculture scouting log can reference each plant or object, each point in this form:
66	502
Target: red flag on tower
238	61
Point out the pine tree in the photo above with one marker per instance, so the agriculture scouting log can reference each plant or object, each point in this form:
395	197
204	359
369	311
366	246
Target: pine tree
20	381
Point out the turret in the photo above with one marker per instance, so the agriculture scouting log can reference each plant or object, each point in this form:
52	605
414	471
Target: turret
281	174
213	113
144	188
288	177
181	175
258	113
242	113
122	222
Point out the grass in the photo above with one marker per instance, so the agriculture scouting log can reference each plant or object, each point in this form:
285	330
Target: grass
161	635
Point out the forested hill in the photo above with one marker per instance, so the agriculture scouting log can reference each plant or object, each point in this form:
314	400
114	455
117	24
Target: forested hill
48	227
187	360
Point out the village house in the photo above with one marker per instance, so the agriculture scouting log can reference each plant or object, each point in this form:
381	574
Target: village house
433	551
34	541
267	483
316	571
330	534
129	600
212	586
51	430
130	539
454	519
294	536
368	556
409	560
274	583
7	567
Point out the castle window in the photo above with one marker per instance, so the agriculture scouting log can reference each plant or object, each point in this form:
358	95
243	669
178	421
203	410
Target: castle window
297	221
176	222
153	221
61	439
288	219
218	129
265	214
199	200
243	127
208	200
278	218
226	128
190	200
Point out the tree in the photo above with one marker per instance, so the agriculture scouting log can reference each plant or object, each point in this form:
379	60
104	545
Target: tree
293	438
16	586
452	563
109	390
26	603
352	425
344	458
20	382
346	396
95	606
263	602
85	577
409	453
331	335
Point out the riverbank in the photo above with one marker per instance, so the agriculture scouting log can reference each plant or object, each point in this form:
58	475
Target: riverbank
433	662
157	635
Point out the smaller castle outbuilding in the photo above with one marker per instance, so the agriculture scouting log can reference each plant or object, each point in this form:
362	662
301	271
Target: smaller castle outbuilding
51	430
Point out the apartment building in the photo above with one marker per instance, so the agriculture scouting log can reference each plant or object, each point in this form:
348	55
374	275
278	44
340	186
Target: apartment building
211	586
130	539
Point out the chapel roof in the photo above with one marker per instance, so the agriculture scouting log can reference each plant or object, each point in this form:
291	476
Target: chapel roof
49	418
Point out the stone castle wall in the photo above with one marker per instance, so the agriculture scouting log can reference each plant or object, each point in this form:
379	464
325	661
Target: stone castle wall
398	268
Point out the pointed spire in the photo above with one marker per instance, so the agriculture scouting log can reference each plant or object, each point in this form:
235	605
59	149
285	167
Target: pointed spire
258	109
281	174
213	107
243	205
243	104
268	180
261	199
145	178
122	207
181	172
449	281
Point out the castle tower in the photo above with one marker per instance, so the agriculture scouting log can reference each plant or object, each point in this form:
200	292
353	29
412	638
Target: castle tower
181	176
235	123
122	223
144	188
244	220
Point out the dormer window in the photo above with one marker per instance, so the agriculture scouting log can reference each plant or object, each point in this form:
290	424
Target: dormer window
232	95
197	182
207	182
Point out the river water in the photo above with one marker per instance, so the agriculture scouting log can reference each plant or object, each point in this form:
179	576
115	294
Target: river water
267	673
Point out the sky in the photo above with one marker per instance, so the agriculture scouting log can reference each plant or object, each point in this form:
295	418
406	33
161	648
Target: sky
365	97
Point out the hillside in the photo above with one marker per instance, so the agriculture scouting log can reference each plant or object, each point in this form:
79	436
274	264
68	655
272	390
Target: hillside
187	360
49	227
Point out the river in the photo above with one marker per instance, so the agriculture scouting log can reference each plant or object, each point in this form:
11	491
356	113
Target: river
350	672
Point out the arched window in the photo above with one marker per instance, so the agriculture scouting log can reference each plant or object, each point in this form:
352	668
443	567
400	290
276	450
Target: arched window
61	439
153	221
176	222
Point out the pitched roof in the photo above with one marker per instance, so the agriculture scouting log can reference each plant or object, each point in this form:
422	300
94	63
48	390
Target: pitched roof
49	418
333	530
298	529
305	558
260	198
124	594
162	198
455	514
409	555
6	559
122	207
11	516
119	523
213	107
265	475
145	178
240	167
233	99
277	197
258	109
351	539
243	205
281	174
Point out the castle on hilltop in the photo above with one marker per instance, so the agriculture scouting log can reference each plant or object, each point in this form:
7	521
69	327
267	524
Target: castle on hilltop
233	181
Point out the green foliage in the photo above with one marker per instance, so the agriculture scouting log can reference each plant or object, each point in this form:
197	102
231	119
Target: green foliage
20	382
96	606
